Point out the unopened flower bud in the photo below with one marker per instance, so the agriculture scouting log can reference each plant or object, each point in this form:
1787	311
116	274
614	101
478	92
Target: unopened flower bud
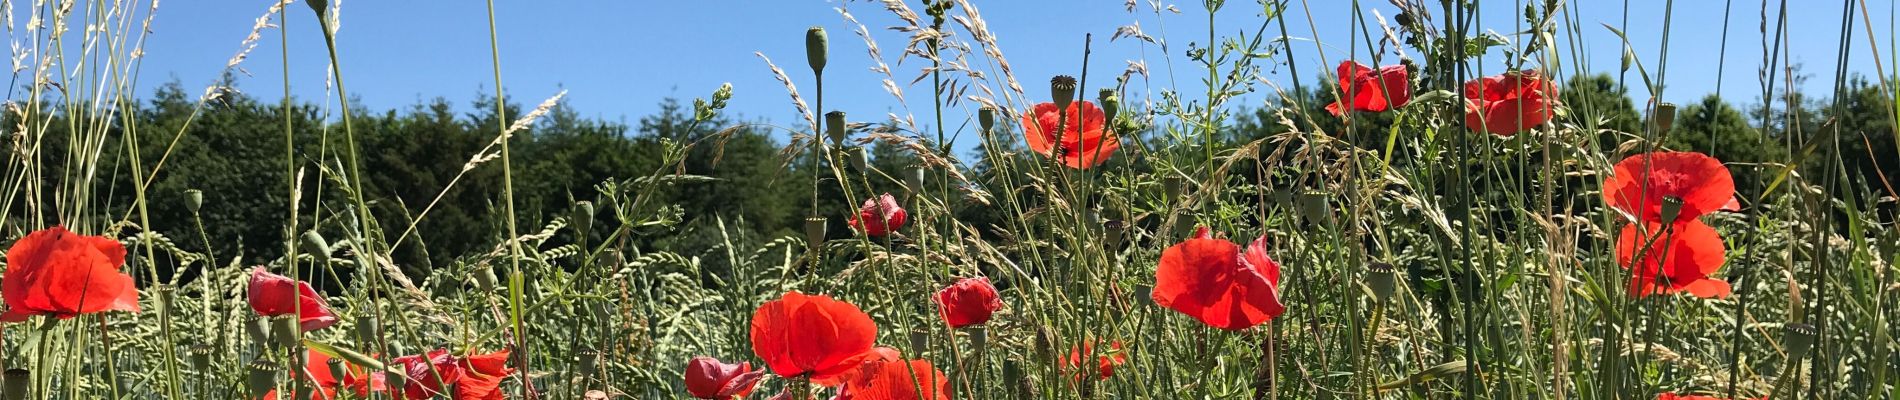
913	184
318	248
1111	104
485	279
366	329
816	47
1112	234
859	161
979	337
194	200
1171	185
583	214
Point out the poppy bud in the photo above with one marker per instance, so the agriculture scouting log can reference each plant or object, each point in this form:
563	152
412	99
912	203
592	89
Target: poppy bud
318	248
201	356
263	377
16	383
1664	118
285	330
913	184
986	118
1315	207
816	47
1799	338
835	127
1012	372
1382	280
814	233
979	337
194	199
583	214
1112	234
485	279
1671	208
1110	105
1062	91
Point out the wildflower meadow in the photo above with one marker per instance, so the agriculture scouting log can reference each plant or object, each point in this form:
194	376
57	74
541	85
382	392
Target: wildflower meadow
1398	199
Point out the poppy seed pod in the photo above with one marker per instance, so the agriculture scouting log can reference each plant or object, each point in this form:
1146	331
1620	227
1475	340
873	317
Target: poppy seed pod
485	279
835	127
200	356
986	118
320	6
913	184
1664	118
919	340
1012	372
336	367
979	337
1045	342
16	383
1799	338
1383	281
1111	104
1112	234
1171	186
1062	91
318	248
366	330
1671	208
814	233
167	295
285	330
583	214
859	161
816	47
1145	292
1314	206
589	361
194	199
263	377
258	330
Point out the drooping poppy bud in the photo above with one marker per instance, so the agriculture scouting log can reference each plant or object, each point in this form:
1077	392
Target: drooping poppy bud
970	301
708	378
817	47
314	245
879	216
811	335
63	274
274	295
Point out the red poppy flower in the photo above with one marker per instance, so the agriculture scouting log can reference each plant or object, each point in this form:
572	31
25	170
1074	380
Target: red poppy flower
273	295
707	378
1639	185
1214	282
63	274
1371	90
1085	143
879	354
482	375
361	381
970	301
896	380
1106	361
1509	103
1685	255
425	375
879	216
811	335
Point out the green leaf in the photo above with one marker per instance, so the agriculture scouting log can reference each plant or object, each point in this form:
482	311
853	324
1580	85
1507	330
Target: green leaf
346	354
1439	371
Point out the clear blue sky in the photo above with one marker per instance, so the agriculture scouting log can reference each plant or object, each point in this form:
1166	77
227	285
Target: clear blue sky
618	58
